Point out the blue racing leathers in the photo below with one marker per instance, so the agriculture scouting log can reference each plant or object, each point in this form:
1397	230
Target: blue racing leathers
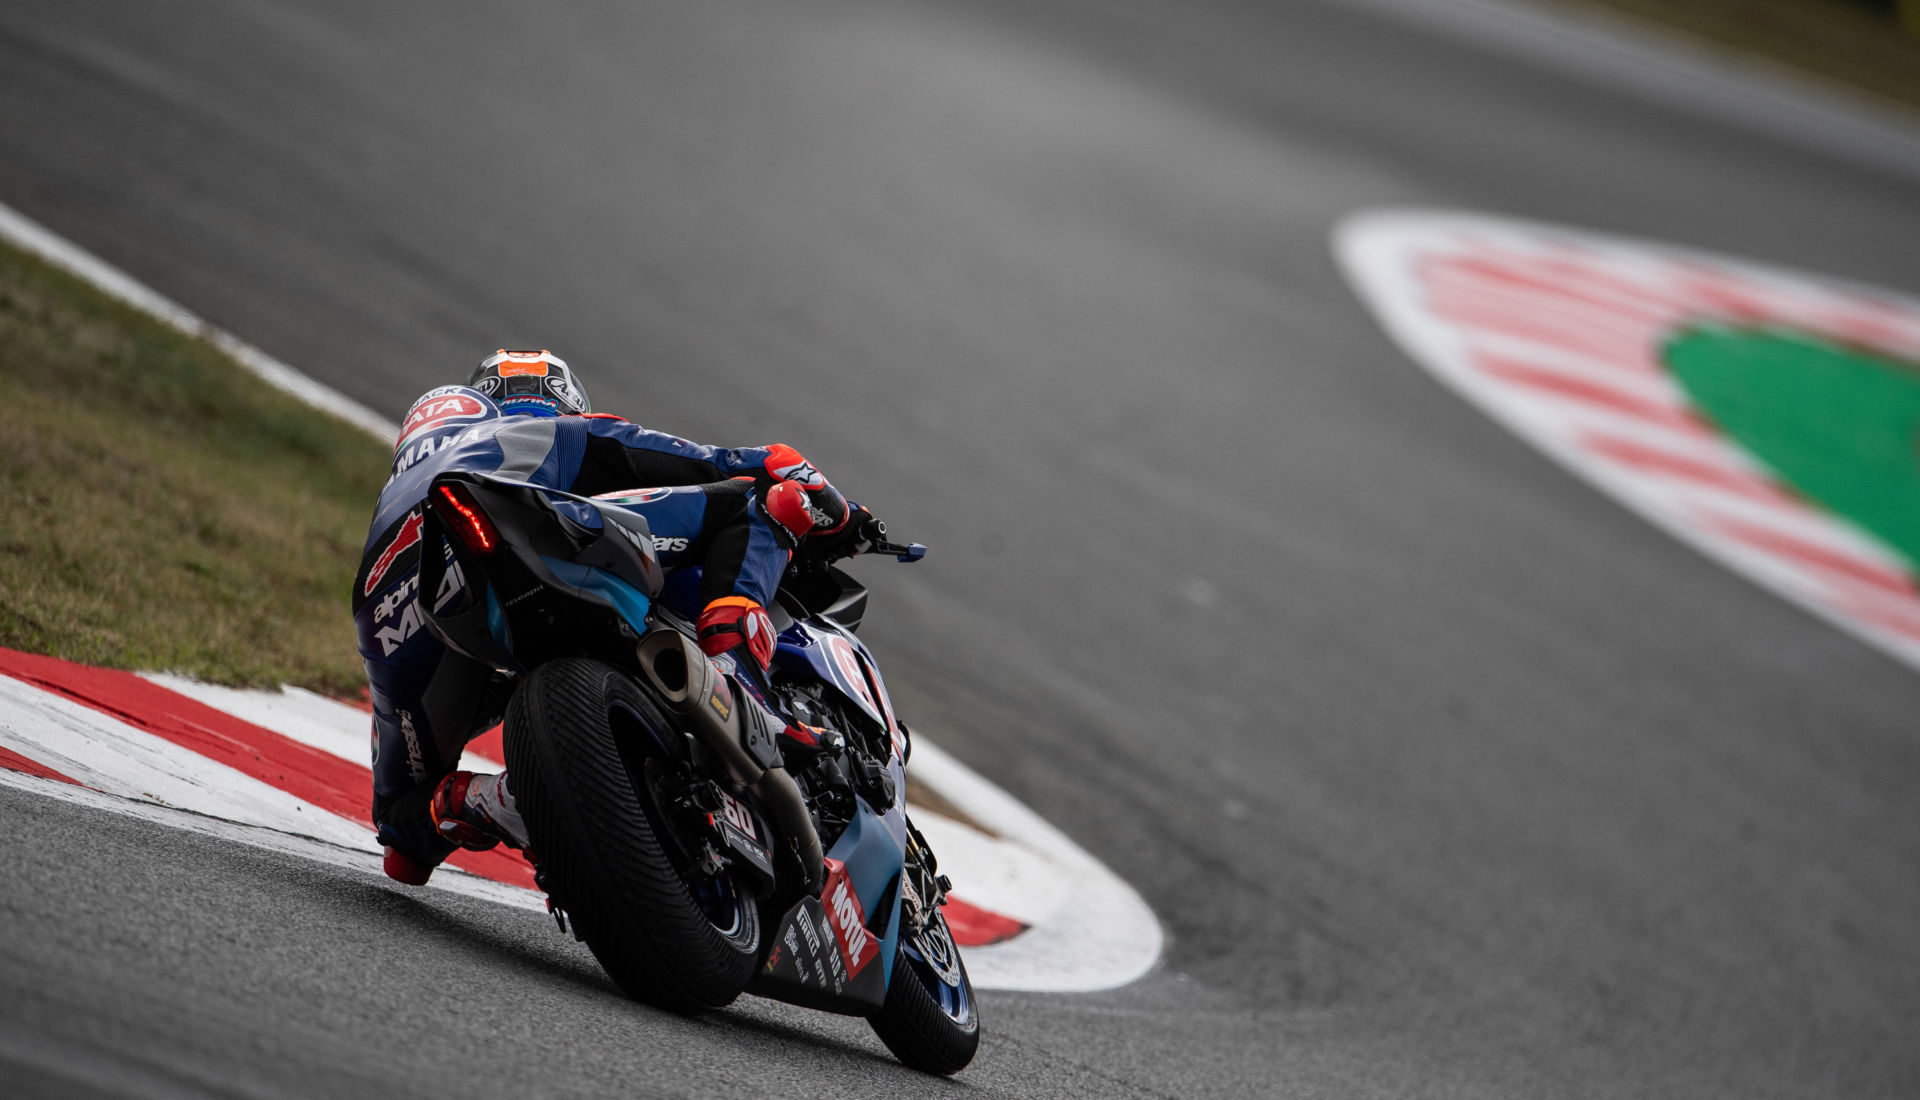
429	701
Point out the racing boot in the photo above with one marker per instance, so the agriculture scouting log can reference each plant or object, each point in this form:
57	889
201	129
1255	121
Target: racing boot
477	812
404	869
413	847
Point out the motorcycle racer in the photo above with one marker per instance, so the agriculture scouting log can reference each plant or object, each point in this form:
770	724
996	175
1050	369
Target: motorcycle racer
739	513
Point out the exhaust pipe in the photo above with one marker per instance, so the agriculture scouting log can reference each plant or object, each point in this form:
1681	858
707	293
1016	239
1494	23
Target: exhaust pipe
737	730
786	810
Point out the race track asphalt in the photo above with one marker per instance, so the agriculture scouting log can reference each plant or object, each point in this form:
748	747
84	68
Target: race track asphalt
1447	776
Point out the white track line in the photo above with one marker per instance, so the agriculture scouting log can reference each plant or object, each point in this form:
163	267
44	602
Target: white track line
117	759
450	879
313	720
25	233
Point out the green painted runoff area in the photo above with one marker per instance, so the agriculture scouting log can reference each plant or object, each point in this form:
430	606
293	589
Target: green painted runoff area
1841	425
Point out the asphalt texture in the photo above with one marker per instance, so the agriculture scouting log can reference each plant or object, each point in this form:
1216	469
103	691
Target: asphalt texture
1447	776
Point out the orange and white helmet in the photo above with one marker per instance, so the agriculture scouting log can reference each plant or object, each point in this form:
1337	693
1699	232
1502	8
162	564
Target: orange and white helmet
536	383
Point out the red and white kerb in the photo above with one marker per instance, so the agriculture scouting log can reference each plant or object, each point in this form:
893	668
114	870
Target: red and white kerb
1557	334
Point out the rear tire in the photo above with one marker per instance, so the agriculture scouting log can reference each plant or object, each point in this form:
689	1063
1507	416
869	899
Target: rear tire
930	1020
576	744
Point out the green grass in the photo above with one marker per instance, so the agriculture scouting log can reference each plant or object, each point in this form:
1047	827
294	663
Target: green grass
160	507
1870	46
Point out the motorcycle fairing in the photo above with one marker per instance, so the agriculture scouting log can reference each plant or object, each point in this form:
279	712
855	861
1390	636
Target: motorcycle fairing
555	548
834	655
805	965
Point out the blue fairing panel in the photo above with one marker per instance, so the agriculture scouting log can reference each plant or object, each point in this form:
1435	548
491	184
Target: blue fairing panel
497	622
625	598
814	652
875	851
580	512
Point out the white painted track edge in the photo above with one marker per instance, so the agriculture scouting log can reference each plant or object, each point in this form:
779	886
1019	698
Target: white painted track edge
28	235
448	879
1102	918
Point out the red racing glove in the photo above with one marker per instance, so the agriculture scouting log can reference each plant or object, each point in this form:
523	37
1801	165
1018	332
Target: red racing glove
730	620
826	507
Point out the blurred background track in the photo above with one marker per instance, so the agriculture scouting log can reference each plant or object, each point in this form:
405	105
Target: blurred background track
1446	775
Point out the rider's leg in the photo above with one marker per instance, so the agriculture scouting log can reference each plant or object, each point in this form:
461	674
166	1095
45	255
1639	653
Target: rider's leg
742	551
427	703
477	811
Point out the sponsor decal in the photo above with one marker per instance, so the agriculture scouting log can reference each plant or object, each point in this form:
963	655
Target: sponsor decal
416	759
787	464
393	637
521	368
567	392
738	816
792	943
879	685
401	606
805	925
525	596
529	400
846	662
425	448
452	583
393	601
634	496
408	536
847	921
1766	417
658	544
439	408
803	473
835	964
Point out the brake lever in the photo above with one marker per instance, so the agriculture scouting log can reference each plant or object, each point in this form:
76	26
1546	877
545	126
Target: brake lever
909	553
875	532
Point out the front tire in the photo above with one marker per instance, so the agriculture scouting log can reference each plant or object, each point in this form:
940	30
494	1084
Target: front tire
577	740
930	1020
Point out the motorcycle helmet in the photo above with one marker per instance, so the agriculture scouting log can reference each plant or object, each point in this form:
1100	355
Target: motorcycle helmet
536	383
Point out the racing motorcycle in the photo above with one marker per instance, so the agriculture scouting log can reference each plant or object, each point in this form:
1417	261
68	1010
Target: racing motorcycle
695	850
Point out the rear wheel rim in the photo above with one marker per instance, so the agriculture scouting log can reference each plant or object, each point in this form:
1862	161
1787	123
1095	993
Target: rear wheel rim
717	897
722	903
